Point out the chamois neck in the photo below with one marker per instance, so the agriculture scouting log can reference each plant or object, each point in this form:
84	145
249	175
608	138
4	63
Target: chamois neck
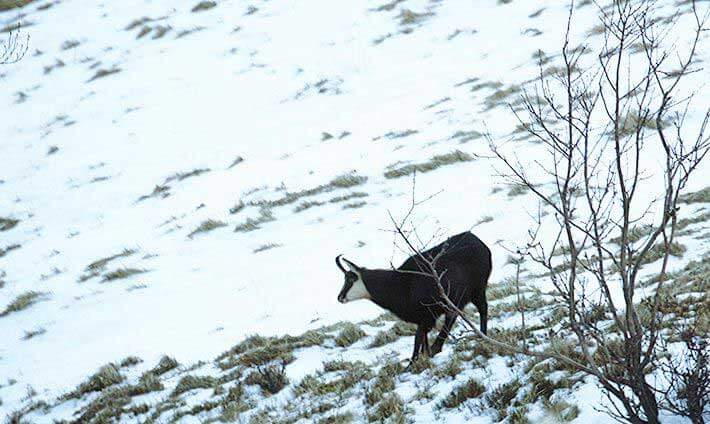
388	288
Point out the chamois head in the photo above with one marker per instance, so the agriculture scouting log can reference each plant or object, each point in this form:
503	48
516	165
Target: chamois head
353	288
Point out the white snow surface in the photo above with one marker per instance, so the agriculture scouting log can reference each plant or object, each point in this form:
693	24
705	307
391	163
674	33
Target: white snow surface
263	86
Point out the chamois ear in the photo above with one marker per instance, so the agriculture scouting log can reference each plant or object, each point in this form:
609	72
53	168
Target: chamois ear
352	266
337	262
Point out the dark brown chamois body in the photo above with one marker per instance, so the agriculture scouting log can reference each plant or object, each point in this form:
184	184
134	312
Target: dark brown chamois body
465	265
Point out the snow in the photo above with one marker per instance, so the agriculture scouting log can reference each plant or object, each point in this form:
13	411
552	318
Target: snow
200	101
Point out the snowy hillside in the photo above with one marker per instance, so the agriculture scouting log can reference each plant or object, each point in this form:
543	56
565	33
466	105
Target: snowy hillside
178	176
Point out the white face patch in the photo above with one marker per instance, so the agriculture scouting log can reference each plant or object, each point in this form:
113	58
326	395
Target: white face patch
357	291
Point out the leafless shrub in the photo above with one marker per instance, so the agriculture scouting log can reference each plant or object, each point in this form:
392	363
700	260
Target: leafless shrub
600	120
14	48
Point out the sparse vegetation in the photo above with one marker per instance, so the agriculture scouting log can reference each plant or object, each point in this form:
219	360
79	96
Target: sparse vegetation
251	224
307	205
102	73
192	382
265	247
354	205
354	195
165	364
8	223
517	190
502	397
5	250
701	196
121	273
435	162
390	408
471	389
33	333
271	378
106	376
130	361
11	4
204	5
349	334
22	301
407	17
383	337
207	226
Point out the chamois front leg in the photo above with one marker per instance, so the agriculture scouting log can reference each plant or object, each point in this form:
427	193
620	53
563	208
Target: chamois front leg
417	343
443	334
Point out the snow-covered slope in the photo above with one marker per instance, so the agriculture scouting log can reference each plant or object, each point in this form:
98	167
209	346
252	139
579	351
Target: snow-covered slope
270	125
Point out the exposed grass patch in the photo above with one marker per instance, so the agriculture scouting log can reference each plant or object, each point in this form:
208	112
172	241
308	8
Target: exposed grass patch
349	334
634	234
236	162
271	378
5	250
8	223
517	190
180	176
484	219
451	368
384	383
165	364
121	273
130	361
388	6
265	247
252	224
470	389
421	364
307	205
354	195
33	333
102	73
12	4
22	301
500	97
69	44
658	251
158	191
257	350
207	226
407	17
96	267
108	375
701	196
502	397
186	32
339	418
563	411
683	223
354	205
390	408
392	135
192	382
348	180
204	5
382	338
466	136
237	207
114	401
633	123
354	373
430	165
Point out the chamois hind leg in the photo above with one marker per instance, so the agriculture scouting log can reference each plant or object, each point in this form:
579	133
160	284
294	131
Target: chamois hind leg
482	306
425	343
417	343
443	334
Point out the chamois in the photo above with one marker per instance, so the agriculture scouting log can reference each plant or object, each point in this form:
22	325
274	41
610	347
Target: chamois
465	264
